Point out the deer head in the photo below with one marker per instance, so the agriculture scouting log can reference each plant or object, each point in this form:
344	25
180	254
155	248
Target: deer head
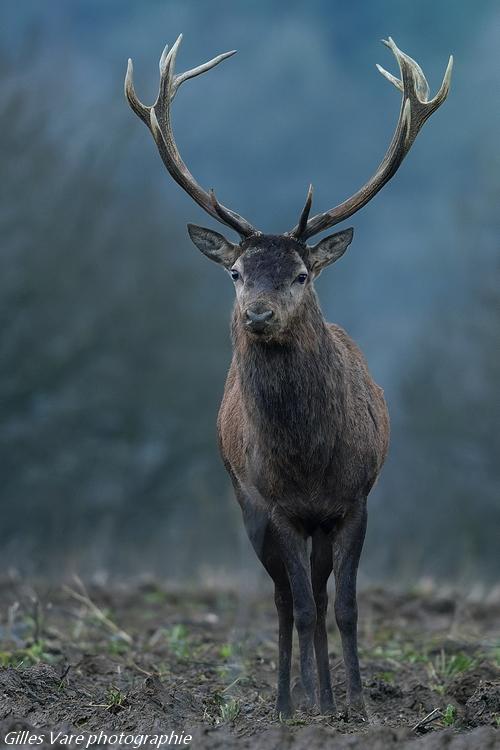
273	274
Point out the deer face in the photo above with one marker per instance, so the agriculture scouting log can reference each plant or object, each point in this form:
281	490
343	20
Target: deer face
270	279
272	274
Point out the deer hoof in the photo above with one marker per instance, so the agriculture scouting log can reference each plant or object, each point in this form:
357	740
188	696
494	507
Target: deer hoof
284	709
356	711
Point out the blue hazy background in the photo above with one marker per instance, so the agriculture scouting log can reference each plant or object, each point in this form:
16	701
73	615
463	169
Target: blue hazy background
115	336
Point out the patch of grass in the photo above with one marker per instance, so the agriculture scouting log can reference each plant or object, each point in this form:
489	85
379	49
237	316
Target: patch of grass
292	722
441	669
117	647
223	673
219	709
115	699
8	659
226	651
178	641
385	676
36	652
438	687
229	710
449	715
399	652
448	666
32	654
445	667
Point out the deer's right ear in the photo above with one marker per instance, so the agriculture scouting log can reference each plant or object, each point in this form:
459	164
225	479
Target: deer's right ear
214	245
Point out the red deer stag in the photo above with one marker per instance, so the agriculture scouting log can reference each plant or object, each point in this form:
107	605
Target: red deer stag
303	429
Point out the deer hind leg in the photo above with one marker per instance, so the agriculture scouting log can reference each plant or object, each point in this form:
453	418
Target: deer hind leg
321	567
266	548
347	545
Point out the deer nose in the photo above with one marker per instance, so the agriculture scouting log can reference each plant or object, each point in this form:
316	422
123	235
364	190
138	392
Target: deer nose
257	321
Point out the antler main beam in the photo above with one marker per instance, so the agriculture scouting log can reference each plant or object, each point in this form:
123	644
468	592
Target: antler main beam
158	120
415	110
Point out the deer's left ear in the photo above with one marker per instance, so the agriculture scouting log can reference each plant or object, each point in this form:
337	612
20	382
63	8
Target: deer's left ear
329	250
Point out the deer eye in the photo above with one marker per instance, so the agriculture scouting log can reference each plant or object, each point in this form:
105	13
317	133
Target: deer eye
235	275
301	278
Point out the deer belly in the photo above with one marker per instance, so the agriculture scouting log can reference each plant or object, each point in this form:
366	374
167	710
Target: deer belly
311	493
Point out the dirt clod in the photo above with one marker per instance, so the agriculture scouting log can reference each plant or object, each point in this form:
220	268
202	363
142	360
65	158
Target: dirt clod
483	707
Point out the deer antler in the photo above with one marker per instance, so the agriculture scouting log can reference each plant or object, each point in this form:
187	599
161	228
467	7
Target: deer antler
415	110
157	118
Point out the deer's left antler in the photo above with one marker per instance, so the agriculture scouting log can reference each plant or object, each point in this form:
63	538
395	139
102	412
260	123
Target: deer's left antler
415	110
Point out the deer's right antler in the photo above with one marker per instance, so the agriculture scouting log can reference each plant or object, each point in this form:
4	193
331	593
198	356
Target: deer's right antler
157	118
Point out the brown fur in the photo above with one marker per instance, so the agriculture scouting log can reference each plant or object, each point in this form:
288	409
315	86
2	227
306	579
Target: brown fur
303	433
304	422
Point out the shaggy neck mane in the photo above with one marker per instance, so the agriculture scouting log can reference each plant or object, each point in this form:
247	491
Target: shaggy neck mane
287	385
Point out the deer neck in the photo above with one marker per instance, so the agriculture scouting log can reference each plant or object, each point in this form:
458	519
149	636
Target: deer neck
287	385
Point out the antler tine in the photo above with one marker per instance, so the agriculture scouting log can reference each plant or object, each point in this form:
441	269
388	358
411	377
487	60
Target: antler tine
226	215
415	110
203	68
158	119
132	98
304	216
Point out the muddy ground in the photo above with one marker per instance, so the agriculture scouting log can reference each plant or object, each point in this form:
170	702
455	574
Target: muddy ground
141	658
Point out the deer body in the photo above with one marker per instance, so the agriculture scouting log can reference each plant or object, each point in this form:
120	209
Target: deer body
303	429
303	432
303	423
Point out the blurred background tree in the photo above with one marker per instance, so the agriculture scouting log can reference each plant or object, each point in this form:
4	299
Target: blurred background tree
115	330
445	491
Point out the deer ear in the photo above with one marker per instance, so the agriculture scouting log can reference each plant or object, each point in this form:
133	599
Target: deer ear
329	250
214	245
